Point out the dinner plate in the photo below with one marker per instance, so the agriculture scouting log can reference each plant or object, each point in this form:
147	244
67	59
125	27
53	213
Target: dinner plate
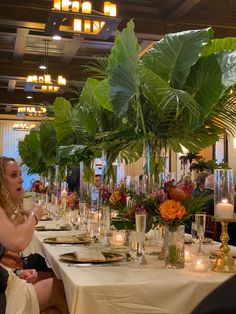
109	258
46	218
43	228
216	252
73	239
189	240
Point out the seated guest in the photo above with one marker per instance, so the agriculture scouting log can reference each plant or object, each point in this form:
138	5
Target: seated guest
200	183
209	190
219	301
73	179
16	236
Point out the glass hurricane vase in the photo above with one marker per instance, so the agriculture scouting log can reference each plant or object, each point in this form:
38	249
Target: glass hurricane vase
175	247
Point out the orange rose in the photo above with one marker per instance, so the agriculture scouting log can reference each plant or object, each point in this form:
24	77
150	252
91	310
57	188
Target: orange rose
171	209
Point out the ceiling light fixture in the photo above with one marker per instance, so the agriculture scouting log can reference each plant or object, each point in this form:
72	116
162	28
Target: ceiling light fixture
42	67
32	111
56	37
23	126
44	83
80	18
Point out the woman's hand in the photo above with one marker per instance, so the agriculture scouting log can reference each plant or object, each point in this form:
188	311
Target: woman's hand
38	211
30	275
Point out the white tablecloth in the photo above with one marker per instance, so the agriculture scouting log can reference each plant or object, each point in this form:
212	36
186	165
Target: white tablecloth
125	289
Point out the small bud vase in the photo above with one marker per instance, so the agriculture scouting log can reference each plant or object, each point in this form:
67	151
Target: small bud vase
175	247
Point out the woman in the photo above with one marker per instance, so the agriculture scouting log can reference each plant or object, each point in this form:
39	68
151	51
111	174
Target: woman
16	237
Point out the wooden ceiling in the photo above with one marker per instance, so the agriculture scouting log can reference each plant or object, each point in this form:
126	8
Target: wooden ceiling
22	39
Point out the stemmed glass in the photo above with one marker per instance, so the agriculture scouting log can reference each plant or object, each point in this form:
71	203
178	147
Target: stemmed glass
200	220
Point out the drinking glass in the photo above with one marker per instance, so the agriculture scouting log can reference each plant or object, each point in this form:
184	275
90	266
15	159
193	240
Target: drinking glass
74	219
194	231
93	231
136	246
200	220
140	221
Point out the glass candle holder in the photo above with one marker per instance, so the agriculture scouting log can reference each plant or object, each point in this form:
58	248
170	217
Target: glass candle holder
200	262
224	194
118	237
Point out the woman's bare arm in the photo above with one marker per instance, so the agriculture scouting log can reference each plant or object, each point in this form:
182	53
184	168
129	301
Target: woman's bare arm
17	237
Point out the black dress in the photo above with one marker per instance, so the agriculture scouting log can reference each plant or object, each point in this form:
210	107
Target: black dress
219	301
3	285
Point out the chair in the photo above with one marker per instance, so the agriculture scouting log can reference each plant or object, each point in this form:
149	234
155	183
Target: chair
212	229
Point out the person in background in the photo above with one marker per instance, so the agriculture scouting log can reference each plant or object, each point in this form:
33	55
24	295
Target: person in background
200	183
209	190
220	301
98	181
73	179
16	232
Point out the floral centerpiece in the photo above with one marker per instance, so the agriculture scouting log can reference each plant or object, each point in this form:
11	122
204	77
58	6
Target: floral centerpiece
72	201
171	205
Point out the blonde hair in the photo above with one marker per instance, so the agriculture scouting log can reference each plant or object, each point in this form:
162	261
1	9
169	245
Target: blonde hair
8	204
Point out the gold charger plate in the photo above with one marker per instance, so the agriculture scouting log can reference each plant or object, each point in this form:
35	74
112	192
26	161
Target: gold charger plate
207	240
109	258
42	228
76	239
46	218
216	252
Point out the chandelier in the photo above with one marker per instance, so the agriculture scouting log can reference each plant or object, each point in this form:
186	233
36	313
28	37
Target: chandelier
80	18
44	83
23	126
32	111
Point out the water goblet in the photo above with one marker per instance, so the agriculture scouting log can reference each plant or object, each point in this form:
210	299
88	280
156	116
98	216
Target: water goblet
200	220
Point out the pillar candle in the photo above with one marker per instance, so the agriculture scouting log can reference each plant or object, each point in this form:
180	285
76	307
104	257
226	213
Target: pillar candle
224	210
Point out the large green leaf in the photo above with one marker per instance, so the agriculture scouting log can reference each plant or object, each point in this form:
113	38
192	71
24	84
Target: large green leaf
101	92
174	110
219	44
63	122
122	70
48	142
204	83
31	154
173	56
227	63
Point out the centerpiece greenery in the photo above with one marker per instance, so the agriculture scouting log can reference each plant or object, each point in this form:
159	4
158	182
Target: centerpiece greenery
178	94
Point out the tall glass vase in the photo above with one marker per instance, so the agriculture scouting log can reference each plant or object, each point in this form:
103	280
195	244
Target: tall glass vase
224	194
175	247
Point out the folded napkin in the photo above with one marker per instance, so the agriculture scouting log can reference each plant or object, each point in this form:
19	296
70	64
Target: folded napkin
89	255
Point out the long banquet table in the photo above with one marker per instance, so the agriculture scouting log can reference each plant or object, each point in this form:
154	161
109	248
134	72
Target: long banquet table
126	289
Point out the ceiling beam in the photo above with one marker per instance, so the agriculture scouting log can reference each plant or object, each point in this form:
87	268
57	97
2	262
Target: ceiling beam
20	43
71	50
184	8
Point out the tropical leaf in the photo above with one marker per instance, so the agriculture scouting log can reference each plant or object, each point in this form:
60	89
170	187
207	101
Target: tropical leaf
173	110
122	70
173	56
205	83
48	142
98	68
219	44
31	154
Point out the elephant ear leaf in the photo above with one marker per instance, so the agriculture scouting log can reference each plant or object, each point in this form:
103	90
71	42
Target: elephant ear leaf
48	142
31	154
173	56
123	70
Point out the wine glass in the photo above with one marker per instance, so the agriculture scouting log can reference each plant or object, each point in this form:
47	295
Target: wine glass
200	220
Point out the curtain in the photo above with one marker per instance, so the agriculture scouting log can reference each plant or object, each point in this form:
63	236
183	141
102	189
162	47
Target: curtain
9	139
